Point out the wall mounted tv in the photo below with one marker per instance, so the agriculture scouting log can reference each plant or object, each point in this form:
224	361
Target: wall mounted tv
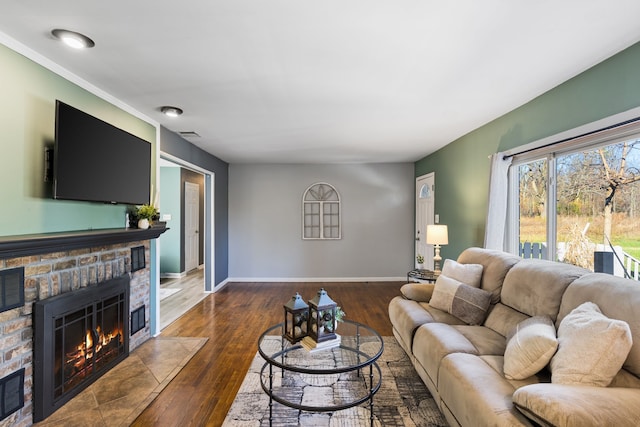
98	162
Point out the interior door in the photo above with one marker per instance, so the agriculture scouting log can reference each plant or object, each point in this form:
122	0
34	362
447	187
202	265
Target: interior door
191	223
425	214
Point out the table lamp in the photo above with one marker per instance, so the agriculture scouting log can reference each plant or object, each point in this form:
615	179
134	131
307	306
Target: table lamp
437	235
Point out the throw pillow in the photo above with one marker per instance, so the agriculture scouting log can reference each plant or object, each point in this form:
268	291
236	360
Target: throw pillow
530	346
467	303
591	347
469	274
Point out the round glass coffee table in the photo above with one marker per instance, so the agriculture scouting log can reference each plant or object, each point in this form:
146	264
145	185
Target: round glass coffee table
326	380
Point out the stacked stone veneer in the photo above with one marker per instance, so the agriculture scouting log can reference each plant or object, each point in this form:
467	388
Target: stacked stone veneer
53	274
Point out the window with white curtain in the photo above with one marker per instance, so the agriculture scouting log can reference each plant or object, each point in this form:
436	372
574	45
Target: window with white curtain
580	196
321	218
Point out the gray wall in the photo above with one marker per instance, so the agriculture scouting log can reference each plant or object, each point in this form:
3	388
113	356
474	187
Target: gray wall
265	222
177	146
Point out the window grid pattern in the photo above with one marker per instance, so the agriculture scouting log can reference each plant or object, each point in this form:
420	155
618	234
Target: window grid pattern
321	218
556	184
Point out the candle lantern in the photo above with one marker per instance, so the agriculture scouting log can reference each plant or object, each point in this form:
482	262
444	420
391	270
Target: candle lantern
296	313
322	317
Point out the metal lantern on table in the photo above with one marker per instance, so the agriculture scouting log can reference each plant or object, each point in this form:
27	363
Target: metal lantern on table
296	313
322	317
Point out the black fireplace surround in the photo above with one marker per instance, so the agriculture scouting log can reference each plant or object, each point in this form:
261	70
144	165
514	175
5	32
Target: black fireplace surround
79	336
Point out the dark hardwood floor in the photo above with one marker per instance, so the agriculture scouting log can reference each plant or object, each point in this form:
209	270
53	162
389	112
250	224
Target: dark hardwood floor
233	319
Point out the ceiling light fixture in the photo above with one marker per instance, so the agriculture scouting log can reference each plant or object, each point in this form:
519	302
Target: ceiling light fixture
171	111
73	39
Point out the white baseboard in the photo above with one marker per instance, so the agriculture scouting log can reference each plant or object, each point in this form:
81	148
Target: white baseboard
173	275
221	285
315	279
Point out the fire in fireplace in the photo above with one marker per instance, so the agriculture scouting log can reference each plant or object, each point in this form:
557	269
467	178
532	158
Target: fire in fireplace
95	350
79	336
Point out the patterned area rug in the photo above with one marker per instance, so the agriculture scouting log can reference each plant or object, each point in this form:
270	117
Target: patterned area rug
403	400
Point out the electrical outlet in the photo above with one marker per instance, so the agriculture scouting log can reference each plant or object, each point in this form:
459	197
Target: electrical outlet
166	217
437	219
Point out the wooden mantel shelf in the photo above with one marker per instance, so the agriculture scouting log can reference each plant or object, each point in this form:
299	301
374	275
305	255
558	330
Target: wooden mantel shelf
35	244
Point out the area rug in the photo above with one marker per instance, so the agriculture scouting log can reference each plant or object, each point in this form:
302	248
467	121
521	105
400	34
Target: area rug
120	395
403	400
167	292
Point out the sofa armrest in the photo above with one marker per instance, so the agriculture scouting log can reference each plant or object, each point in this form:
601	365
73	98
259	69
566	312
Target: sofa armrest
579	405
419	292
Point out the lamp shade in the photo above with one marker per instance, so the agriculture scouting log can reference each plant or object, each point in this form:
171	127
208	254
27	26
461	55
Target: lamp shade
437	234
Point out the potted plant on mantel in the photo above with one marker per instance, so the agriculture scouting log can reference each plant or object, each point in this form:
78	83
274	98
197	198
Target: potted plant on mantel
146	214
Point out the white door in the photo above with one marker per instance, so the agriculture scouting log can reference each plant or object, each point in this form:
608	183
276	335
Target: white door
191	224
425	214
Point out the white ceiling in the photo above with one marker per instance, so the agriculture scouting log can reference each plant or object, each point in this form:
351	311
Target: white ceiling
331	81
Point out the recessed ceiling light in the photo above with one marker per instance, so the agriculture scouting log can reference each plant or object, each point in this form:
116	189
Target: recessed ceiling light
73	39
171	111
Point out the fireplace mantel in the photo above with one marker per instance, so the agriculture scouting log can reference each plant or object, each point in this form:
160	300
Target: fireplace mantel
34	244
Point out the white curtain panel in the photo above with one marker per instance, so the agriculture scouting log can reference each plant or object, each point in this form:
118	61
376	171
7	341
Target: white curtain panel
497	211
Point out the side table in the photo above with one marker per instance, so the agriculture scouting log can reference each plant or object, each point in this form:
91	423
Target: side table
422	276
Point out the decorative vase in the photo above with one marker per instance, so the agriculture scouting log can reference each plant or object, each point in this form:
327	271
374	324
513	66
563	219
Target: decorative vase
420	266
143	223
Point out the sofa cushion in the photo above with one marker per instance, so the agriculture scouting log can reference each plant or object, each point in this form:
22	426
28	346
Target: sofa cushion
476	393
530	346
406	315
486	341
433	342
617	298
592	347
469	274
578	406
495	265
497	363
535	286
502	319
420	292
467	303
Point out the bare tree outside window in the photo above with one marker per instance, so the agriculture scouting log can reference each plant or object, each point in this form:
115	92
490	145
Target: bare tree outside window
597	192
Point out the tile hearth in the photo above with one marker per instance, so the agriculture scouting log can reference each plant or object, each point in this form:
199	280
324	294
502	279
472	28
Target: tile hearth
118	397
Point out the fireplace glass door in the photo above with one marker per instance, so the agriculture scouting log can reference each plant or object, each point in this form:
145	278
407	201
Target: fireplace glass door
86	340
79	336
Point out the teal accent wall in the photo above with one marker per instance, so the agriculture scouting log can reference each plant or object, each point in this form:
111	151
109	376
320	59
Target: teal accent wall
170	240
462	167
27	126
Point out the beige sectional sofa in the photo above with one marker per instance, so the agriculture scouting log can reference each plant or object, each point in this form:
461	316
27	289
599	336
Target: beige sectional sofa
463	365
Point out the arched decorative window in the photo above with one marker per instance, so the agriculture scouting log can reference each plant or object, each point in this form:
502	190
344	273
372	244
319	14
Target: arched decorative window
425	192
321	213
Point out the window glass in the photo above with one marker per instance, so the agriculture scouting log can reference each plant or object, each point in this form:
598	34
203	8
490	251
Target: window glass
533	209
587	198
425	192
597	198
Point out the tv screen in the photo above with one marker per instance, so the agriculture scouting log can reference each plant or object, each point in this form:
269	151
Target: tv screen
98	162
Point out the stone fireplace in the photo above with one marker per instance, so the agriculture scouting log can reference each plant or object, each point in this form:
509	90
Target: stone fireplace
54	267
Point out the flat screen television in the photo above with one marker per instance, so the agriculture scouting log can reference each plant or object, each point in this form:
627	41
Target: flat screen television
98	162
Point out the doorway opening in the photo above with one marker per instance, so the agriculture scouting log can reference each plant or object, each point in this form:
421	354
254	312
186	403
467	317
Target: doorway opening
186	249
425	215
